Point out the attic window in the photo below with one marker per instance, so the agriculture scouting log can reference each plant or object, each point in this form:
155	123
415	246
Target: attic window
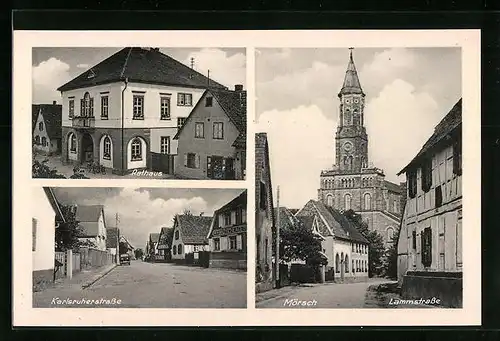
208	101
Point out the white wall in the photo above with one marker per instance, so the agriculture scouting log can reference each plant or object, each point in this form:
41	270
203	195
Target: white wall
43	256
156	135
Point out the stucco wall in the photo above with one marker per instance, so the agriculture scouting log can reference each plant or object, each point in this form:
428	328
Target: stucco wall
43	256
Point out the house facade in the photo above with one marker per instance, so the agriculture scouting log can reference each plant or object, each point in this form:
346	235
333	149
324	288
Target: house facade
353	182
47	128
165	243
92	224
212	141
430	242
227	237
124	112
46	217
344	246
190	236
152	246
264	217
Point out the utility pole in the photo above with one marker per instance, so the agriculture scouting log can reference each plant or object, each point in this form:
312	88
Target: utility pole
277	256
117	241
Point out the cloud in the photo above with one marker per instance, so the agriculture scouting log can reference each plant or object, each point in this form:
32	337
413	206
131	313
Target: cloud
301	142
83	66
46	78
227	70
398	122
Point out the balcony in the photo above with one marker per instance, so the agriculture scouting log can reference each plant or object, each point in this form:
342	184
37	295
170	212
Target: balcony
83	122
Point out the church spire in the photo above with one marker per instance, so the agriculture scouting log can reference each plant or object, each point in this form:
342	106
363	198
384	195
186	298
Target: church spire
351	81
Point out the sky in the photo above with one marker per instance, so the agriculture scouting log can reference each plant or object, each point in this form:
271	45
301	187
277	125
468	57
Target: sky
54	66
408	91
143	211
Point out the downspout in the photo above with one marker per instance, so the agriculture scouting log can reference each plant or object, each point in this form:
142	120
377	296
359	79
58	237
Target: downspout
123	123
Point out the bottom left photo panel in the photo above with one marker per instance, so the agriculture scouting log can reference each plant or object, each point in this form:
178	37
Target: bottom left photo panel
139	247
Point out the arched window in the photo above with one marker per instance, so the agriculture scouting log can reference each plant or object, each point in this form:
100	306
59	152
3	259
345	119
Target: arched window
390	234
72	142
174	250
329	200
337	263
346	263
107	148
136	149
368	202
86	105
347	202
40	126
347	117
349	162
179	249
176	235
44	141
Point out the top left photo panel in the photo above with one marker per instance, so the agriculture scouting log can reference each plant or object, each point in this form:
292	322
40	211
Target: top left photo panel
139	112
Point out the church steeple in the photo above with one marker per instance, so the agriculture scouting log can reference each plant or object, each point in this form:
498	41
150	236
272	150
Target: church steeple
351	81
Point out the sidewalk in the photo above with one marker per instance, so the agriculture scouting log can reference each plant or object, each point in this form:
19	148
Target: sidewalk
84	278
284	291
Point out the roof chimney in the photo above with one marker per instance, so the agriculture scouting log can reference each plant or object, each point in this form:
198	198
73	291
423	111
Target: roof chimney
238	87
54	102
192	62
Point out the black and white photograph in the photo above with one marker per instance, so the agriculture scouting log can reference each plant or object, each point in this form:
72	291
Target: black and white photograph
358	157
139	112
103	247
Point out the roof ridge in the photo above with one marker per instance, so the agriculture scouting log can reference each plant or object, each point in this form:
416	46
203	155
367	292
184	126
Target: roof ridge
126	61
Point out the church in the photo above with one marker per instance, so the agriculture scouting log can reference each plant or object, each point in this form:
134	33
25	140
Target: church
353	182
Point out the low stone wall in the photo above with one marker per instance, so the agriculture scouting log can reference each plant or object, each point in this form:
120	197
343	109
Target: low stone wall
445	286
42	279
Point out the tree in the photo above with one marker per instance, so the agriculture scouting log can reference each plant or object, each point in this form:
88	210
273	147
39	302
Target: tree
68	233
391	258
138	253
298	242
376	248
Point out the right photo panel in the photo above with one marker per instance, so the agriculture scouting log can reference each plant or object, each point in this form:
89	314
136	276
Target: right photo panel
358	177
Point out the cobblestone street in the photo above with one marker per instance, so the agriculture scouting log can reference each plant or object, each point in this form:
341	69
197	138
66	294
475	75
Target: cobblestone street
159	285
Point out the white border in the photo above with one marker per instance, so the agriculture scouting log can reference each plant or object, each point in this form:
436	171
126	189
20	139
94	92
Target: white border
25	315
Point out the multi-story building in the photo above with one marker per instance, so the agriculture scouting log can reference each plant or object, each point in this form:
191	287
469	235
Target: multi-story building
124	112
228	235
430	242
190	236
353	183
92	224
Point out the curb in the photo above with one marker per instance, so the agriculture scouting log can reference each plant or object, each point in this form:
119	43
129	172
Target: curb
97	277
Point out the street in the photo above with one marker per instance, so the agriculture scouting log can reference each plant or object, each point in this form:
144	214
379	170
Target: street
154	285
330	295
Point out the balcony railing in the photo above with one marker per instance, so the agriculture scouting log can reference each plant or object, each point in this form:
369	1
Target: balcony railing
83	122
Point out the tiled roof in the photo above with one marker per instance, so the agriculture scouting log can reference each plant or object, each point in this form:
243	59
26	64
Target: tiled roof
262	158
143	66
232	104
286	218
241	141
307	221
240	200
392	187
154	237
52	116
89	229
348	226
351	81
163	242
112	235
194	229
88	213
451	122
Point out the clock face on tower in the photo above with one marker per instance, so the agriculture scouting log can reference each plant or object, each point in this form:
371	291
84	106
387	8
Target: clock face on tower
347	146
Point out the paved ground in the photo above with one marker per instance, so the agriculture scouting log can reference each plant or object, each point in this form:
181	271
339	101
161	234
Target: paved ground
155	285
54	162
329	295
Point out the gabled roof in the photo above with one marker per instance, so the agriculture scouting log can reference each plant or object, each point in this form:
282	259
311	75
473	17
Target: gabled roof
232	104
442	132
163	242
125	240
262	158
194	229
240	200
348	226
112	236
88	213
154	237
141	65
52	116
351	81
286	218
55	204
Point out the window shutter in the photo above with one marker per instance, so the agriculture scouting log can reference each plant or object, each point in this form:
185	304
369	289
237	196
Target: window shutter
185	160
238	242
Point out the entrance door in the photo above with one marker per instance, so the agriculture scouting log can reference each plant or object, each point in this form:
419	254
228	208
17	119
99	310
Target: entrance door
87	148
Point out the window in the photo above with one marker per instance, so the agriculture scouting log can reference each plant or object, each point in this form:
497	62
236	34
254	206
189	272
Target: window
239	216
37	139
191	160
208	101
227	219
427	175
179	249
412	184
34	223
457	157
44	141
390	234
232	243
180	122
329	200
263	196
216	244
107	148
165	144
347	202
368	202
40	126
72	143
199	130
138	107
196	248
87	106
176	235
426	246
71	108
348	117
165	108
104	107
218	132
136	149
395	206
438	196
414	240
174	250
184	99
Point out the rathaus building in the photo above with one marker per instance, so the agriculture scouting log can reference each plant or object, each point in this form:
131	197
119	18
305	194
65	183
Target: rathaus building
353	182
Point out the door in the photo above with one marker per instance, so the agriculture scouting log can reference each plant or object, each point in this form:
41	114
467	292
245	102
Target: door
229	169
87	148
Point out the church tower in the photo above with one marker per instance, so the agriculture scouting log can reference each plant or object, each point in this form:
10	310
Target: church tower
351	140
